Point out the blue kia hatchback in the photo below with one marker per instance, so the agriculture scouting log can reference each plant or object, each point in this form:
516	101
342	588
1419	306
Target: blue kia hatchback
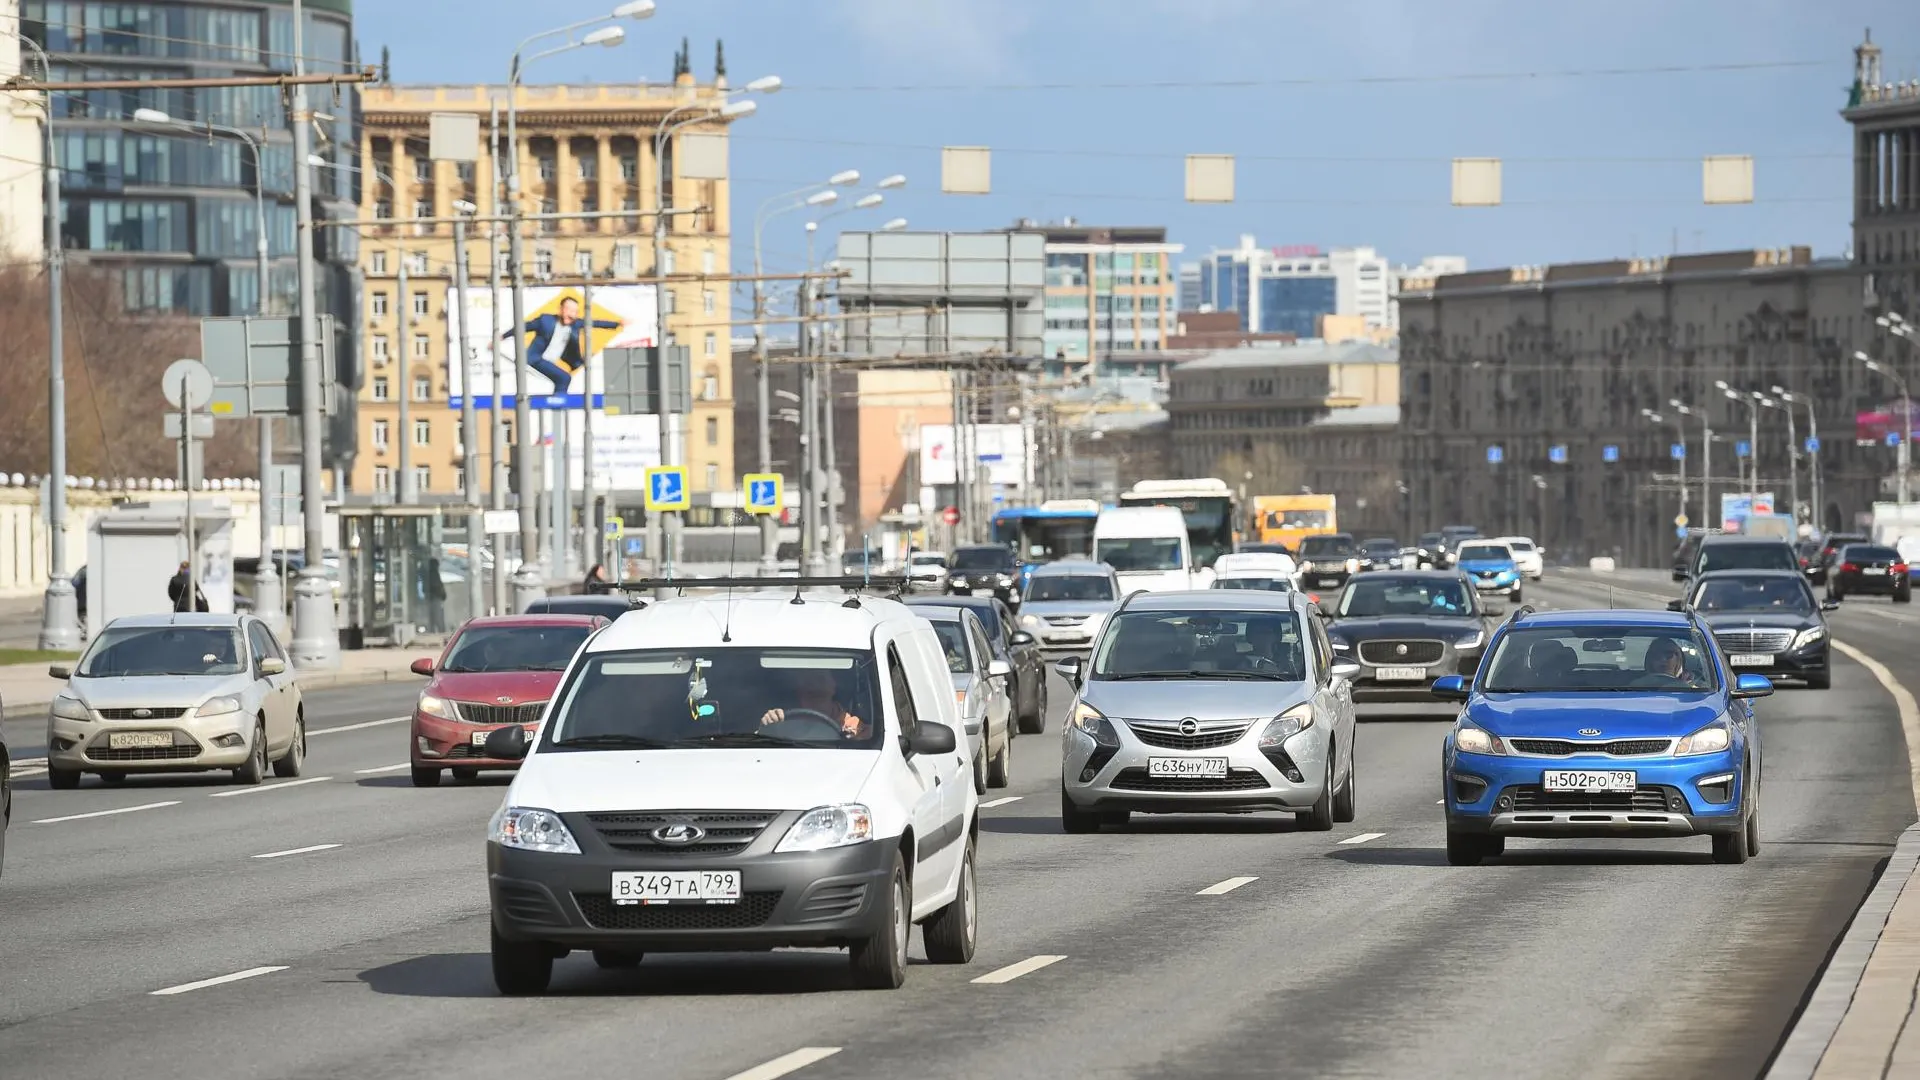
1602	724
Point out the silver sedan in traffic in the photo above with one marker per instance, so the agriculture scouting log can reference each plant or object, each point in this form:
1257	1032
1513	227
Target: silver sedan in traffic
1067	602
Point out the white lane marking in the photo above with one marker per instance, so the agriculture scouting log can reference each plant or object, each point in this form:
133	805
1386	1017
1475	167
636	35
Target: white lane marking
1226	886
787	1063
297	851
383	768
1363	838
1439	802
1902	700
311	732
107	813
1013	971
216	981
269	787
26	763
1001	802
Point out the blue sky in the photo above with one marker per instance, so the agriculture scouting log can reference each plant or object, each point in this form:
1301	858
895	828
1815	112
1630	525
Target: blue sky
1344	126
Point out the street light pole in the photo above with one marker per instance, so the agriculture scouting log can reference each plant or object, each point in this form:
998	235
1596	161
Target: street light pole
1706	455
462	355
60	612
1906	413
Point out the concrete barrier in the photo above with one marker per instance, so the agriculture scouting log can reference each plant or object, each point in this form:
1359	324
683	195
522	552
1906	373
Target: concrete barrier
1601	564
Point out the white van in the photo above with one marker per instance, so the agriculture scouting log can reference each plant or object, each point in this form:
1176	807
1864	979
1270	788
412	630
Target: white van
739	774
1147	547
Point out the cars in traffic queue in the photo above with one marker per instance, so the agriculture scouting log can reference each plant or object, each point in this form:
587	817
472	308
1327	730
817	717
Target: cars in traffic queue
739	773
1027	685
177	692
1198	703
1766	621
1490	565
1531	559
1869	570
1148	547
1255	570
984	570
1686	549
1732	551
927	572
980	690
495	670
1328	560
1066	604
1406	628
1452	536
1260	547
1379	553
1611	723
1429	552
1830	546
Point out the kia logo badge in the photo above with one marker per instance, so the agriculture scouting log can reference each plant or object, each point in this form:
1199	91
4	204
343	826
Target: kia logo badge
678	834
1589	731
1189	726
504	699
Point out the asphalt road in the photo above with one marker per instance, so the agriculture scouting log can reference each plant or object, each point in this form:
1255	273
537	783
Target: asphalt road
1353	953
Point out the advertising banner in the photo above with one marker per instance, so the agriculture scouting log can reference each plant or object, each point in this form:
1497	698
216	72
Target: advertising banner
556	335
1872	427
625	447
1002	450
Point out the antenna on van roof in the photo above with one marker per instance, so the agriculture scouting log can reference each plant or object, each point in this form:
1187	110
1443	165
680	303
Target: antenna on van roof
726	624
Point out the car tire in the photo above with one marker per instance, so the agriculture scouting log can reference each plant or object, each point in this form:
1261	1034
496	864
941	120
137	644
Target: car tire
1822	681
295	758
1320	818
1343	803
1903	595
1000	766
63	779
616	959
1731	848
521	968
1465	849
880	962
254	772
1036	722
950	935
980	771
465	773
1075	820
1515	596
113	778
1752	832
425	777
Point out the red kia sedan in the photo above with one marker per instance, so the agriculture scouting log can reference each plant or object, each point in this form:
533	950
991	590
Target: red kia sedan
496	670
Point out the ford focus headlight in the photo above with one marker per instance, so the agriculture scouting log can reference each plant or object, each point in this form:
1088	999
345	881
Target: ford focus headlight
1472	740
1286	726
71	708
1711	739
531	829
437	706
829	827
219	706
1809	636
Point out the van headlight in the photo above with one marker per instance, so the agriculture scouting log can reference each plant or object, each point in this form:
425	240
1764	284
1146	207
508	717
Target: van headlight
71	708
829	827
1711	739
1030	621
437	706
1286	726
1808	636
219	706
531	829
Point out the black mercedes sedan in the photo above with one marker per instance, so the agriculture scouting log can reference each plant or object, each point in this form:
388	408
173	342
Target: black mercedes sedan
1767	623
1406	628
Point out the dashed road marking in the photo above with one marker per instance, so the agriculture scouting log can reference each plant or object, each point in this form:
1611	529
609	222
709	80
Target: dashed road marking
270	787
1363	838
383	769
311	732
217	980
297	851
787	1063
1013	971
1001	802
1226	886
107	813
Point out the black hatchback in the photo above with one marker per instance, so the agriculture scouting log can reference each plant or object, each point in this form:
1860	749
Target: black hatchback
1869	570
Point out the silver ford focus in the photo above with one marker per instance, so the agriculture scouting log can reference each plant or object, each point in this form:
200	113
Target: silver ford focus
1208	702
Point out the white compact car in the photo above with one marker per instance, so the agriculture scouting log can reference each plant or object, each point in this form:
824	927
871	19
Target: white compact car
1527	555
740	773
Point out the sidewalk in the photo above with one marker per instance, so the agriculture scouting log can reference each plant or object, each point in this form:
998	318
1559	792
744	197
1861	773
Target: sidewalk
26	689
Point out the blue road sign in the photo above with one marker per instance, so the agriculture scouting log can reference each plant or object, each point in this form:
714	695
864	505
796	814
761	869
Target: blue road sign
1680	532
1609	452
1893	438
1494	454
763	493
1679	451
1812	445
1557	454
636	546
1742	448
667	488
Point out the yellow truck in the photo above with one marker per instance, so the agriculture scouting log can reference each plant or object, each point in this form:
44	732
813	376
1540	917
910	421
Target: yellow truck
1288	519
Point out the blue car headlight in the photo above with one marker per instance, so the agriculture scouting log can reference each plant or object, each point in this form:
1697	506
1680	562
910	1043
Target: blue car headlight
1711	739
1469	739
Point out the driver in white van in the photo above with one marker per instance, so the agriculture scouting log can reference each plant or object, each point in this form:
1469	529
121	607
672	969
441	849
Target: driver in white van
815	691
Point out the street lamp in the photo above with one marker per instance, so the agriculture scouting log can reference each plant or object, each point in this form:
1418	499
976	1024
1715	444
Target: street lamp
1906	413
1753	433
1817	517
1680	432
894	225
1706	454
1793	449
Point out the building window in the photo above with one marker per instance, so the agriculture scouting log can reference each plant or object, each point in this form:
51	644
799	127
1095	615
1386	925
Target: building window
422	209
549	206
381	439
625	259
506	430
381	391
713	477
547	167
382	480
713	431
710	388
382	208
379	305
423	433
420	305
670	302
377	345
420	347
712	345
706	301
422	477
629	168
416	262
464	171
589	167
706	261
583	262
423	170
422	387
666	261
543	263
377	264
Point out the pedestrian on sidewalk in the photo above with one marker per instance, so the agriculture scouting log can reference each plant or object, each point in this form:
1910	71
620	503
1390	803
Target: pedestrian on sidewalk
597	580
178	590
436	598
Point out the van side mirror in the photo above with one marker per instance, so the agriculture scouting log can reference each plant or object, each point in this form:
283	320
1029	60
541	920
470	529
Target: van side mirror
931	739
1072	669
999	669
1345	669
273	665
422	666
508	743
1450	688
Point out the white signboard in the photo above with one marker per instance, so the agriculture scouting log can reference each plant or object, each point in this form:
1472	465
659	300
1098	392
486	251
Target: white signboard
623	316
1001	449
625	447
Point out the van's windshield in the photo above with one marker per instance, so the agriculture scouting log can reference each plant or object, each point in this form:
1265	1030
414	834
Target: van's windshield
1138	552
719	698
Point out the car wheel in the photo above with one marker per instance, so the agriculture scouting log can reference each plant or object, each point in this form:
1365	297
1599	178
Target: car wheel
1320	818
1343	808
255	770
1000	769
950	934
1514	596
1731	848
424	777
980	772
616	959
63	779
880	962
1822	681
291	762
1903	595
521	968
465	773
1465	849
113	778
1075	820
1036	722
1753	827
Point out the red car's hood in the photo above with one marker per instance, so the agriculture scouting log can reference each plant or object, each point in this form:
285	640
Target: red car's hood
496	687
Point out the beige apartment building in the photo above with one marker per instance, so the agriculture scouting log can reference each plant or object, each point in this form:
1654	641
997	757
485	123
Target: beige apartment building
582	148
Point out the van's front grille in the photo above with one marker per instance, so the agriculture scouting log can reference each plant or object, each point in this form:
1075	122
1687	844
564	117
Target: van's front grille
716	832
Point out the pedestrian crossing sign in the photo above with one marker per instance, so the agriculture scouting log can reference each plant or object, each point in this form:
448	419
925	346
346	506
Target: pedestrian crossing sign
667	488
762	492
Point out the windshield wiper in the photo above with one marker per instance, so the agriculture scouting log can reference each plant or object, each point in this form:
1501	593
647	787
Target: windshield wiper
1257	675
618	742
749	738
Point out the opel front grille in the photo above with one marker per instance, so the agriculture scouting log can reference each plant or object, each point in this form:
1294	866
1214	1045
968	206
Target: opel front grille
1417	653
1207	735
1137	779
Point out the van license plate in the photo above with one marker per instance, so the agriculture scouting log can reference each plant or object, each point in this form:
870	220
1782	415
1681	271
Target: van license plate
1400	674
1751	659
676	887
1214	767
979	591
1588	780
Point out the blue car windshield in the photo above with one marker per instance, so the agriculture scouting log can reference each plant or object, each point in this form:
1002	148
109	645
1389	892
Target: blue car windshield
1485	553
1601	659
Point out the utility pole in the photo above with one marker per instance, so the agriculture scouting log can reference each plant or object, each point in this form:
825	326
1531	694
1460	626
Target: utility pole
769	523
316	640
527	584
589	529
462	354
60	612
498	482
809	440
403	489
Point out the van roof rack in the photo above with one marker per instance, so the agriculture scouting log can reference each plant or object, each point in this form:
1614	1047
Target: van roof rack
888	585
